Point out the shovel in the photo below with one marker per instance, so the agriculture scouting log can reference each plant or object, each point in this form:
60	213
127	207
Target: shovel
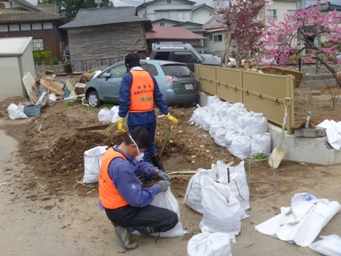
279	152
166	139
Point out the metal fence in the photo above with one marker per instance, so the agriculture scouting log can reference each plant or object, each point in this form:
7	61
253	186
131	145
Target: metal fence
259	92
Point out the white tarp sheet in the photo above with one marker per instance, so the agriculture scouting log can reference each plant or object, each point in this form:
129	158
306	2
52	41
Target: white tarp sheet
333	131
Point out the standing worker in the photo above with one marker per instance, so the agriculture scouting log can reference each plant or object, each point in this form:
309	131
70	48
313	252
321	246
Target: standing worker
138	93
126	203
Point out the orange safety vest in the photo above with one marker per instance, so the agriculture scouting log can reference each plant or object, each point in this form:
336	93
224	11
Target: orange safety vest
141	92
108	194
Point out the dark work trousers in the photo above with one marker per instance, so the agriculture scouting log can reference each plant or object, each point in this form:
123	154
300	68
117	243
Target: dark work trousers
151	218
152	150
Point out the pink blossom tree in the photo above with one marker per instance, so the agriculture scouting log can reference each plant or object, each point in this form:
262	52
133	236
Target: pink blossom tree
244	28
298	33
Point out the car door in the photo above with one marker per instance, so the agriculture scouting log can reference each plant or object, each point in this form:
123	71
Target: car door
110	83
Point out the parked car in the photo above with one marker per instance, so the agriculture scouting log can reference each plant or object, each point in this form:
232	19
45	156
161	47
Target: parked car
182	52
176	81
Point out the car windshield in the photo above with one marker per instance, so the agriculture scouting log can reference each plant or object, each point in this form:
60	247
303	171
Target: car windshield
177	70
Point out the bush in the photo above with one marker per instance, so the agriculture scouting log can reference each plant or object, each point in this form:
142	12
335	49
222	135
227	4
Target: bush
54	62
41	56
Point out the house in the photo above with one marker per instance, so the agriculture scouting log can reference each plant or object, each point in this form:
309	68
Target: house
19	18
215	33
179	10
202	13
161	33
102	36
278	9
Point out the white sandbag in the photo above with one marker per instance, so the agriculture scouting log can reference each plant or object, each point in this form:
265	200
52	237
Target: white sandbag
212	99
92	163
229	136
114	114
244	117
221	209
258	124
209	244
104	115
216	123
329	245
193	195
223	108
241	146
219	136
233	111
261	143
168	201
16	111
238	182
197	116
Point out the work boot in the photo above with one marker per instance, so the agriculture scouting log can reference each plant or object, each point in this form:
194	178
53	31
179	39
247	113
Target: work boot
157	162
125	238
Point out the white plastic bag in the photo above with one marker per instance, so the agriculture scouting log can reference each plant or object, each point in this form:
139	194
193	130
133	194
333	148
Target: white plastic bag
92	163
260	143
208	244
241	145
329	245
114	114
16	111
104	115
168	201
193	195
221	209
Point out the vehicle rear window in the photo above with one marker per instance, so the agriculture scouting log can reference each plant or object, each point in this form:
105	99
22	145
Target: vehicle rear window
162	56
176	70
150	68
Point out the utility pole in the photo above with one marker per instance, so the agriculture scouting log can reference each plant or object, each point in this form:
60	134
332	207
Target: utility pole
318	39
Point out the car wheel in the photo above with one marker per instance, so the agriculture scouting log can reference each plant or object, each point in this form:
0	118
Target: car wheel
93	99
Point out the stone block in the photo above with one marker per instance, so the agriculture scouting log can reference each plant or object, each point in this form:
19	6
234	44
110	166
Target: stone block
310	133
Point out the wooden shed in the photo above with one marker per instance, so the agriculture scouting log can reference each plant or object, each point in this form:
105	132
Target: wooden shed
99	37
16	59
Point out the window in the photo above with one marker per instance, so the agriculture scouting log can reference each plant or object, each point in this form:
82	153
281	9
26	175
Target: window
118	71
3	28
47	25
162	24
24	27
150	68
38	44
14	27
162	56
185	57
210	37
291	12
184	16
169	1
218	38
162	15
271	14
36	26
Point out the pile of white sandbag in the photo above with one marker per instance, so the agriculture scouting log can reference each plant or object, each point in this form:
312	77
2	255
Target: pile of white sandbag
243	133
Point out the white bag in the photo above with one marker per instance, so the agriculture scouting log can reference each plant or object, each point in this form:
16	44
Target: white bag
114	114
329	245
241	145
168	201
221	209
206	244
258	124
104	115
193	195
261	143
238	183
92	163
16	111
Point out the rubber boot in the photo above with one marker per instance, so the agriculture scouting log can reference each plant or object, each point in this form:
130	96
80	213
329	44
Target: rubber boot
125	238
157	162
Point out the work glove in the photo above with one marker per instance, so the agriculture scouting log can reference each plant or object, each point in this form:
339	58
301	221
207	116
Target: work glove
163	175
120	123
164	184
172	119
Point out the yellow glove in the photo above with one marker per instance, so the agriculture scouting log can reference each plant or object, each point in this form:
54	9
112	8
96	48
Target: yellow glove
120	125
172	119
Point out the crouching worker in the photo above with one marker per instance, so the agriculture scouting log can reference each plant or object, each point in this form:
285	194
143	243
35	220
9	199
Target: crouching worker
125	202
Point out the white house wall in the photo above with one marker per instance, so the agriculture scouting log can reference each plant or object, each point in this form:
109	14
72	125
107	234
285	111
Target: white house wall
282	8
202	15
27	62
11	83
172	8
217	48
